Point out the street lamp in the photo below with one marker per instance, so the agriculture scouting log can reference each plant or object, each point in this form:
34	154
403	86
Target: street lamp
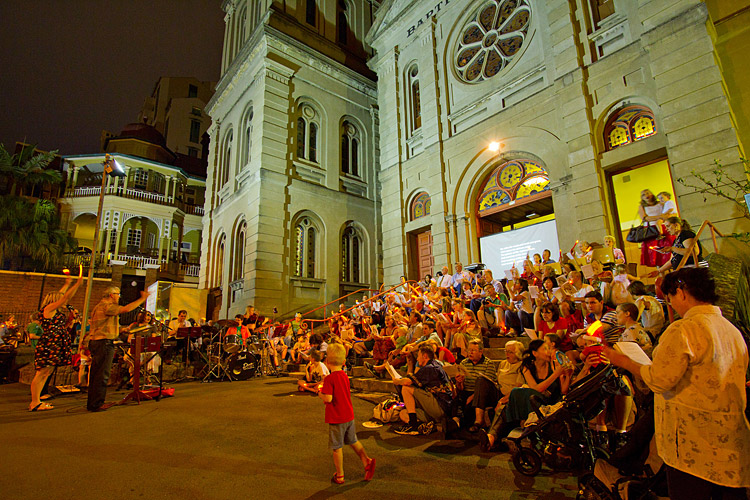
110	166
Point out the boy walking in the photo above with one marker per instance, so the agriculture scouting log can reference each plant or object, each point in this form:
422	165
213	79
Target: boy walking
340	415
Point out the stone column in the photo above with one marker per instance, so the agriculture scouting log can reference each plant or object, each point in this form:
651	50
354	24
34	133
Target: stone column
119	238
75	177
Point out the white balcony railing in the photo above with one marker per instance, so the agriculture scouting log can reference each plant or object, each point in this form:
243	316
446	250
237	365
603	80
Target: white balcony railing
142	262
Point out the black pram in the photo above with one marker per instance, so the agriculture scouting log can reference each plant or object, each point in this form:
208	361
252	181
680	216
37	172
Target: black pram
560	438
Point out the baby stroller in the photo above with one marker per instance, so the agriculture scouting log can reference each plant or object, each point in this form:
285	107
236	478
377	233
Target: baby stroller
561	439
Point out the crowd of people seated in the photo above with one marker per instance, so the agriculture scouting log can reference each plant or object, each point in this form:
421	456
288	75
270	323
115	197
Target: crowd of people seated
429	338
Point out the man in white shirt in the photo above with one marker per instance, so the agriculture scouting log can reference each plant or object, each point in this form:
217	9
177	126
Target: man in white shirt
446	280
460	276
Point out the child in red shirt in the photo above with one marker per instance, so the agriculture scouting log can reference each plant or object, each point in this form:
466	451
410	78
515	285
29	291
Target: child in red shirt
340	415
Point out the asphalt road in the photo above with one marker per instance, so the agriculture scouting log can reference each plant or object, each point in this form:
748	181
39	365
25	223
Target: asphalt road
251	439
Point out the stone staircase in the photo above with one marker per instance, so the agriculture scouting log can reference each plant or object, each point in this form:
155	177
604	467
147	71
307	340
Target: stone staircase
362	380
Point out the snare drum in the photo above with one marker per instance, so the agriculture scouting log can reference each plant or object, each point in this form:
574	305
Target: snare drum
232	343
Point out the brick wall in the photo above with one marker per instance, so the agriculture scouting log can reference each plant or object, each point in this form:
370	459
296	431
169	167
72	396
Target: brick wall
23	292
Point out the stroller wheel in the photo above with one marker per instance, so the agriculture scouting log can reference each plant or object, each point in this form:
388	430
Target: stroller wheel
527	461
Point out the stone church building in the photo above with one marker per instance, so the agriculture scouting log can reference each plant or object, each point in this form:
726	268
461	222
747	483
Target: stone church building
354	142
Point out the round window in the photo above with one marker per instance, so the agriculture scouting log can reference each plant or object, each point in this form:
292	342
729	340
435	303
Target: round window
493	35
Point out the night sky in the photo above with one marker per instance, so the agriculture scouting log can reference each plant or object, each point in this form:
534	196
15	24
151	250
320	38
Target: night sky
72	68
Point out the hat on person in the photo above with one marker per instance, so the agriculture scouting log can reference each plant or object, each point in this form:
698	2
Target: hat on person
595	332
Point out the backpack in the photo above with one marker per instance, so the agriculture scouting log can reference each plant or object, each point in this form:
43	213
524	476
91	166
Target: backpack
387	411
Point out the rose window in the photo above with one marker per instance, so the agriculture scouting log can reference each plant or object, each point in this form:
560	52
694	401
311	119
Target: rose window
492	37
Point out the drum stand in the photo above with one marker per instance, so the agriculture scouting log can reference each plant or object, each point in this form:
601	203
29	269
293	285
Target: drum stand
266	367
216	369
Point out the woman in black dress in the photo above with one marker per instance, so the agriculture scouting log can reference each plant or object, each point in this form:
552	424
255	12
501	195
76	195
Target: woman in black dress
54	346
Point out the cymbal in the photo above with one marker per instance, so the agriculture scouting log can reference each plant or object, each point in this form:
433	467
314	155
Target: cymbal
142	329
227	323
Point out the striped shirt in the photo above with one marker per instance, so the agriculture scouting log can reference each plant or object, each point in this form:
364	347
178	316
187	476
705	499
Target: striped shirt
485	367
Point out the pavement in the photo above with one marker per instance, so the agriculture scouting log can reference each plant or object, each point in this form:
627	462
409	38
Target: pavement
223	440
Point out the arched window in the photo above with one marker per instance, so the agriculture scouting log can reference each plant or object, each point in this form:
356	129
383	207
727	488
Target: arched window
415	111
248	138
226	160
238	259
342	23
350	140
219	260
307	134
420	207
305	248
352	252
511	181
628	124
243	26
310	10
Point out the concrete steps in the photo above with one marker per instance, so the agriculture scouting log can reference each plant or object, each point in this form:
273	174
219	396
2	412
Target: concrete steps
362	379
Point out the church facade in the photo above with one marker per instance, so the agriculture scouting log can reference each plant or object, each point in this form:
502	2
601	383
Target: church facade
494	111
487	116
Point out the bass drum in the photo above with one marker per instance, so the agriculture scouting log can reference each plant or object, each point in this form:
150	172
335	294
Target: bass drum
242	365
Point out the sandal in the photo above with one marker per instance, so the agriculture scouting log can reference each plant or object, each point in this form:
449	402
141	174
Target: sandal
337	479
42	407
370	469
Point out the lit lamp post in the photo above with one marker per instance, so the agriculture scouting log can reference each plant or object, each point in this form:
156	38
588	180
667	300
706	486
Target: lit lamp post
113	168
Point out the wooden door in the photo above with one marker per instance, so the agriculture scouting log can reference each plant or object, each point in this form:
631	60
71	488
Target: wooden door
424	253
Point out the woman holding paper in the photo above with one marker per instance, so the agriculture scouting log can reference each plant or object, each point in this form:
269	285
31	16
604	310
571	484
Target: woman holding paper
522	303
698	376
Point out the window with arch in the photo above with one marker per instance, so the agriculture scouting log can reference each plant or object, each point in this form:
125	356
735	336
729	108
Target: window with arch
310	10
511	181
248	137
627	125
415	111
420	206
352	255
350	141
307	134
305	247
219	260
342	22
238	258
226	159
242	26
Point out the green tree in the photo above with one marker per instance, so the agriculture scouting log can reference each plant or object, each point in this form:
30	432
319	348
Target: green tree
30	232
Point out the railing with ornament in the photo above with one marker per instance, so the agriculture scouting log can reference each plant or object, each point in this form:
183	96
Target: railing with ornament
135	194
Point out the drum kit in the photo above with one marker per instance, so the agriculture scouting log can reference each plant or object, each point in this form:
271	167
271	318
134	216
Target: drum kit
231	358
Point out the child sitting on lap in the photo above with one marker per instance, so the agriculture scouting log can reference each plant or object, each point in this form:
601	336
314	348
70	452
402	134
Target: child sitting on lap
315	372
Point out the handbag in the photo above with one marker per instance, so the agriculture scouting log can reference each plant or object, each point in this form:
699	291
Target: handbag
639	234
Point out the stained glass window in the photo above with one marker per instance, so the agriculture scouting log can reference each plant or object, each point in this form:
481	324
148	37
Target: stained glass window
305	236
420	207
512	180
627	125
491	38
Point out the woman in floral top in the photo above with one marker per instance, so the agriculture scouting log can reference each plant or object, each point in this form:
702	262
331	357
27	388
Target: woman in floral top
698	376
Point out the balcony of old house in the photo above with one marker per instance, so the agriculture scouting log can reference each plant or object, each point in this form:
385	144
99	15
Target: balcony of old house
185	269
135	194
